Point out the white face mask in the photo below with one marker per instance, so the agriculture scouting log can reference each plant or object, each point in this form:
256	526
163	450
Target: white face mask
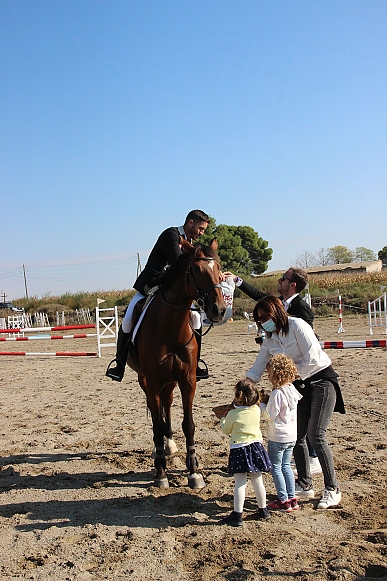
269	326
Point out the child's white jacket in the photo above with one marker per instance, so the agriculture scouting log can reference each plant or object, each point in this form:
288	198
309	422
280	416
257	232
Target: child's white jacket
281	413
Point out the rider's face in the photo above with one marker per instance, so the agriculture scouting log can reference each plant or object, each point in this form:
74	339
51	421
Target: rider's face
195	229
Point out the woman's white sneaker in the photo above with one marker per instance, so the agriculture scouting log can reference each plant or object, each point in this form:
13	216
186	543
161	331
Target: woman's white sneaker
330	498
301	493
315	466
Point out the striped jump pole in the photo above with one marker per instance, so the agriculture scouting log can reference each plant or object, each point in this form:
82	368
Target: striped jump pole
40	329
106	326
353	344
45	337
58	354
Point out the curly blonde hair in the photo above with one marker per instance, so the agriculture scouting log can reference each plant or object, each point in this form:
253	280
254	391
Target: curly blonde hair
282	368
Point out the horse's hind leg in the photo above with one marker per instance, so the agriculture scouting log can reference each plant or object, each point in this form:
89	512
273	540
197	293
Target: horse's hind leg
170	446
167	400
154	405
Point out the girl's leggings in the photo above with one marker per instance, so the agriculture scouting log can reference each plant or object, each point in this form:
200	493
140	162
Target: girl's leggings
240	489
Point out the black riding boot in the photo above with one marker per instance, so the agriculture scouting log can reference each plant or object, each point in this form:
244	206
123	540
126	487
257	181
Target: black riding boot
117	373
200	373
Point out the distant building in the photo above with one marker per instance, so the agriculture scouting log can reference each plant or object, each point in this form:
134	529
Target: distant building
345	268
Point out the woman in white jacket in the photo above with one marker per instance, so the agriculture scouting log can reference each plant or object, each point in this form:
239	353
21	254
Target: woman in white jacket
317	384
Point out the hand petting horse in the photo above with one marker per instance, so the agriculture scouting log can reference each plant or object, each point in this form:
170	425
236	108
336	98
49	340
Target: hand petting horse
166	348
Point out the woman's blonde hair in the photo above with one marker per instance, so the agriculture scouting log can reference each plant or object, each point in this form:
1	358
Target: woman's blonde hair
282	368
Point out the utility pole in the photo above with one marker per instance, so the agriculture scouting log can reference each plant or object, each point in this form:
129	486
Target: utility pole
25	281
139	269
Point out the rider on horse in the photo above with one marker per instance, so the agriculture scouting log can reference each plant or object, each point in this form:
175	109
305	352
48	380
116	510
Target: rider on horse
166	250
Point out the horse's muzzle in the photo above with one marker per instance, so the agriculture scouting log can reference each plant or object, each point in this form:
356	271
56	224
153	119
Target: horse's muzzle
215	313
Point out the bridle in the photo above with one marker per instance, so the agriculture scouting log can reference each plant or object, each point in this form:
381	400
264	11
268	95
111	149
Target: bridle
202	294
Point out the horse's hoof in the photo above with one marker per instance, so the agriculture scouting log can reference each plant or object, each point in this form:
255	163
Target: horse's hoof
162	482
170	447
196	481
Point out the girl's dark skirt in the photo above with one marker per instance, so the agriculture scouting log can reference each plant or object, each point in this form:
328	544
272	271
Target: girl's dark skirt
250	458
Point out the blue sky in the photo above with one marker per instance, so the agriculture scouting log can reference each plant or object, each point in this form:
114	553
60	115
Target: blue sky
118	117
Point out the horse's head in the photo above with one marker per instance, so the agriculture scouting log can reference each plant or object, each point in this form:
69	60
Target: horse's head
203	278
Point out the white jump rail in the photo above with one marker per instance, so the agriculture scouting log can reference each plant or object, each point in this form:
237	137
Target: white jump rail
251	324
377	313
107	326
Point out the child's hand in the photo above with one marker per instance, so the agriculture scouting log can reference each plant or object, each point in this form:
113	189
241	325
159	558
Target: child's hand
263	397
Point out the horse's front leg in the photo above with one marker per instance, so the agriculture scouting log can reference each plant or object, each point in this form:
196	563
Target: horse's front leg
187	388
167	399
160	462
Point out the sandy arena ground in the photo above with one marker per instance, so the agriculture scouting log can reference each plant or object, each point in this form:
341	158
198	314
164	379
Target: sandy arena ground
77	500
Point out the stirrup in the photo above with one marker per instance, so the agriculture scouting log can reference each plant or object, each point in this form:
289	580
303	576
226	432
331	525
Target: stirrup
113	373
202	373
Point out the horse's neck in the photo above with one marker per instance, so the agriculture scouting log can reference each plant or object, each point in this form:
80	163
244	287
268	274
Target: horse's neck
176	296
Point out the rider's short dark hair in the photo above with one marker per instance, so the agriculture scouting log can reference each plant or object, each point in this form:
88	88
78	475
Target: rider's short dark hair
300	277
197	216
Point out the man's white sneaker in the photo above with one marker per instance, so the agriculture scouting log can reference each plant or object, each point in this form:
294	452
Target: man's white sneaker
330	498
300	493
315	466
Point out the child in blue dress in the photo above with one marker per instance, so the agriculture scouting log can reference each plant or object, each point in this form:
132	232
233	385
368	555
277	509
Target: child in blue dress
280	409
247	454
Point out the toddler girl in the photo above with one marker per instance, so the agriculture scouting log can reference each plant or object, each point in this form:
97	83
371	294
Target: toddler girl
280	409
247	455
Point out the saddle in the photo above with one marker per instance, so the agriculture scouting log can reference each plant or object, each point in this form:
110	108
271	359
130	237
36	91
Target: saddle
140	306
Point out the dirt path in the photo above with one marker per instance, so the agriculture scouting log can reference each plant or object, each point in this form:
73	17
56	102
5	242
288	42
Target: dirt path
76	494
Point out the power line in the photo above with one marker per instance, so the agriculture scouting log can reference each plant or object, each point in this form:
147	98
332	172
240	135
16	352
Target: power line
80	271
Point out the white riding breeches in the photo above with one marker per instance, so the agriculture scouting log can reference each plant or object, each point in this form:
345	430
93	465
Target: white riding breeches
126	324
127	320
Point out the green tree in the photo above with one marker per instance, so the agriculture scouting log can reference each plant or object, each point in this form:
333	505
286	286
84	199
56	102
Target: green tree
340	255
362	254
382	255
241	249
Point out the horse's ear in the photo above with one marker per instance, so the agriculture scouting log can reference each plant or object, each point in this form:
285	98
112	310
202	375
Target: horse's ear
214	244
186	246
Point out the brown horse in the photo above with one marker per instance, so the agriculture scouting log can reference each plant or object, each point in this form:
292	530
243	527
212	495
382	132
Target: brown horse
165	351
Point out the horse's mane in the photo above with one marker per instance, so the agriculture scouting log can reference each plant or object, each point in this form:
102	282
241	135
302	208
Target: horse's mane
170	275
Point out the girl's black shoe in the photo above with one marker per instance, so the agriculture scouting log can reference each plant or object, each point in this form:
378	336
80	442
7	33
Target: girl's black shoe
263	513
234	519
